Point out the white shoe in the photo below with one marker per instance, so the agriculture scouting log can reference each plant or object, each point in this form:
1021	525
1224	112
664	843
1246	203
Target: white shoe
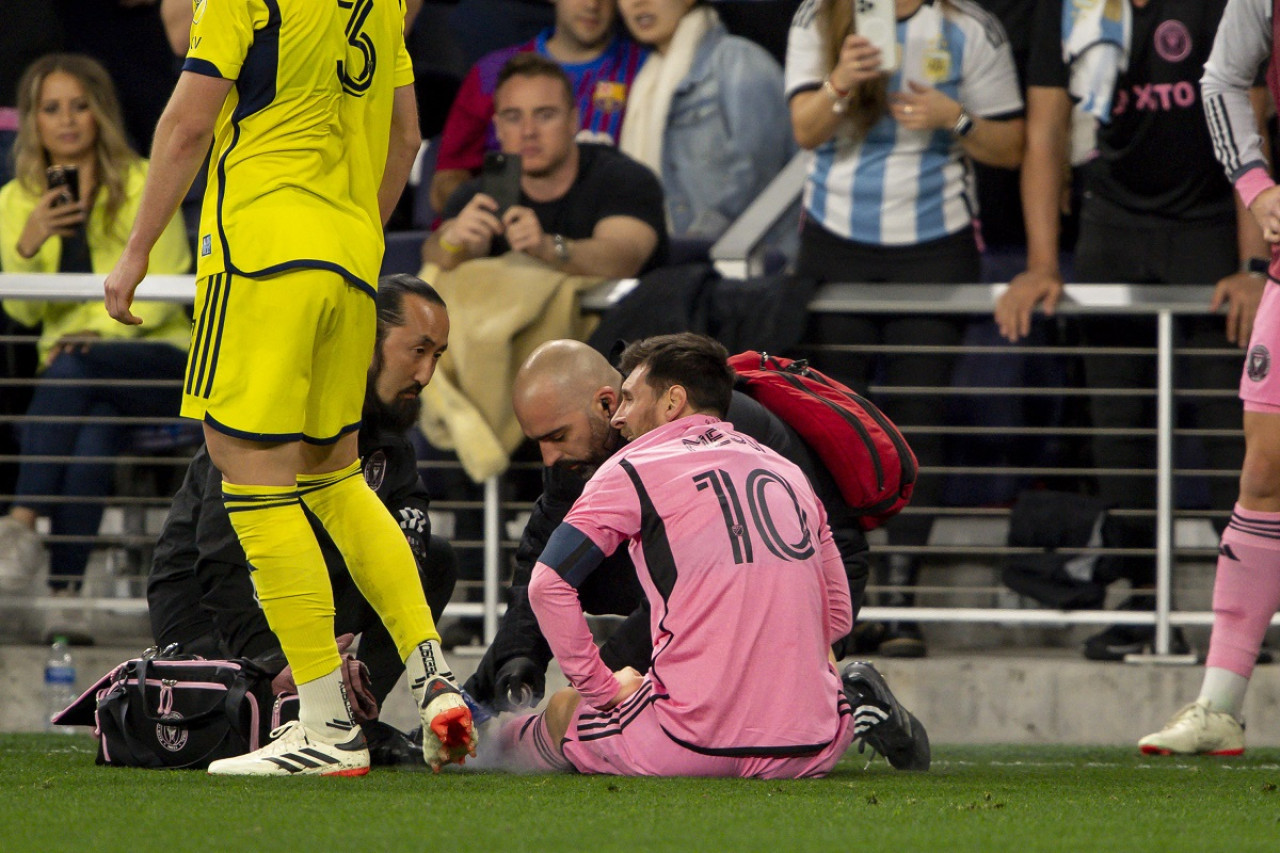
296	751
19	556
1196	730
448	732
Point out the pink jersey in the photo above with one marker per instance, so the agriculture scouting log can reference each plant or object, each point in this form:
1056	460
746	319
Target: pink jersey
747	590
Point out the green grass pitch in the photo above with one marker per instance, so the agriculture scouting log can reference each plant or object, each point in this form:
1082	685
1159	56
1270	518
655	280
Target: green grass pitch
1017	798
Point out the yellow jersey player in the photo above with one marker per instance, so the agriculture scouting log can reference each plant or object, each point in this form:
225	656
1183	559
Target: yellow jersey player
309	108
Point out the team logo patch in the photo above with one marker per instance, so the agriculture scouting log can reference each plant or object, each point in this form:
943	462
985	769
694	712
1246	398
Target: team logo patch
206	246
1258	364
1173	41
171	738
375	470
937	62
197	10
609	96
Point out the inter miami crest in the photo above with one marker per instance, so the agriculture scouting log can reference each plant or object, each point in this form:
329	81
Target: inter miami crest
172	738
375	469
1258	364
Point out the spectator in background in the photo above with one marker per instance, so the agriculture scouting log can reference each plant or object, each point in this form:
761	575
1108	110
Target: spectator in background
584	208
69	116
601	63
1156	210
706	114
887	199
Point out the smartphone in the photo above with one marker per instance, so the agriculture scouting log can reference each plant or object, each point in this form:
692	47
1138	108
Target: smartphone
64	176
877	21
500	179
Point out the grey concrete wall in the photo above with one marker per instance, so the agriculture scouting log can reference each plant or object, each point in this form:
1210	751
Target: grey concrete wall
1033	697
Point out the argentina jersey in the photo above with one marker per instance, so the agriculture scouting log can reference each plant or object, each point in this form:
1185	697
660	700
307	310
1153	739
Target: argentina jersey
901	187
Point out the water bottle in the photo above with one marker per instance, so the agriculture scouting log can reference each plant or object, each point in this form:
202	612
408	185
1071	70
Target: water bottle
59	683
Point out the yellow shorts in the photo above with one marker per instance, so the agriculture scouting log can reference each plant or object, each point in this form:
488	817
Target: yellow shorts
283	358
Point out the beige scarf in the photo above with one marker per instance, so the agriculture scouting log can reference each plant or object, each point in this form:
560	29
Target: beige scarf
650	98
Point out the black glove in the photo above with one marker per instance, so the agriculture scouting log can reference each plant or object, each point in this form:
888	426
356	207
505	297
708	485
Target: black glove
520	683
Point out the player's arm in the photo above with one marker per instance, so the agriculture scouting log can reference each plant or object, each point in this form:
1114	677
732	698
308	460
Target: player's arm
406	139
568	560
175	15
839	602
182	139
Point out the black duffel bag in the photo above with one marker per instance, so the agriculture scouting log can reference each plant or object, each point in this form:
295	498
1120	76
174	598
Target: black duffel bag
180	712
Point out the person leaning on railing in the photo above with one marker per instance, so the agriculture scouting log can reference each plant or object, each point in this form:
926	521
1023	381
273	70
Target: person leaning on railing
887	199
69	116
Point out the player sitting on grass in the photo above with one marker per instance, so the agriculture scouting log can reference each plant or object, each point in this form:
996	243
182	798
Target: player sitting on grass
746	589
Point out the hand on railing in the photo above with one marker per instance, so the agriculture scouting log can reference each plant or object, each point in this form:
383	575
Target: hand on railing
1026	291
1241	293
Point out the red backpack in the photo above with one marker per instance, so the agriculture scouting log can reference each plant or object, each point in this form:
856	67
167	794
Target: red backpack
865	453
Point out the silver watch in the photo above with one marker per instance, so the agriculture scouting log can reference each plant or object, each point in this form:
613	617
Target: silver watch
561	248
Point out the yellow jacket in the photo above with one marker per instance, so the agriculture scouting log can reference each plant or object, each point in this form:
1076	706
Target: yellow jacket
162	321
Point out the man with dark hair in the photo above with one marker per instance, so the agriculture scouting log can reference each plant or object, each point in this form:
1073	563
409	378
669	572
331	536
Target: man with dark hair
732	548
600	59
565	395
584	208
199	592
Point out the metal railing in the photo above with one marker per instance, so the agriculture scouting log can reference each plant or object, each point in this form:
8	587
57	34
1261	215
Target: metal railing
1163	303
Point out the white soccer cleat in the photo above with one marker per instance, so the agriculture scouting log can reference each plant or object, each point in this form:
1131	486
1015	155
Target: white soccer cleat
448	732
1196	730
295	751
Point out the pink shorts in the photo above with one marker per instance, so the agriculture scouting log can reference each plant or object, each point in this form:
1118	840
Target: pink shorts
1260	380
629	741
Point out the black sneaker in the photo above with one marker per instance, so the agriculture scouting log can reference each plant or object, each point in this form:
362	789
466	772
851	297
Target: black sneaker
880	721
1116	642
388	746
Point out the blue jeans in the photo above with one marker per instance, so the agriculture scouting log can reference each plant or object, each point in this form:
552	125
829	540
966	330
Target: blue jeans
92	478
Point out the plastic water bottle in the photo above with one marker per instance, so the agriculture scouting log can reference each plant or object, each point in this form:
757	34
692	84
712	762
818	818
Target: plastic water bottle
59	683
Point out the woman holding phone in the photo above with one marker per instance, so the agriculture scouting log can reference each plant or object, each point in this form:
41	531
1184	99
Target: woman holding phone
889	196
69	210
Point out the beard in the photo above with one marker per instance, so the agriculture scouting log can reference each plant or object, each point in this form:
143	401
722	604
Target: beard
604	441
398	415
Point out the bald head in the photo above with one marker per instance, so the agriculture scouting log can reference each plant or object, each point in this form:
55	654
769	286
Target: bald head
563	396
562	373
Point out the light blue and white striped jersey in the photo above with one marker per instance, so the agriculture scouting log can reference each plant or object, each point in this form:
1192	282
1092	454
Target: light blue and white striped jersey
899	187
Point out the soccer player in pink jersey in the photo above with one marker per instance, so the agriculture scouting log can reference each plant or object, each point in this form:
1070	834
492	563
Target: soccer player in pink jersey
747	592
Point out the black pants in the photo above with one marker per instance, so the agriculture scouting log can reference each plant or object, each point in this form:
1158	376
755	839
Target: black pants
951	260
1118	247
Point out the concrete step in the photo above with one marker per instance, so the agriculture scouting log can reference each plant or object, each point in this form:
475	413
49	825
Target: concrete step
1030	696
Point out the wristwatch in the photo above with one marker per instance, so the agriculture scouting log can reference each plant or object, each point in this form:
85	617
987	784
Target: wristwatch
561	246
964	125
1258	266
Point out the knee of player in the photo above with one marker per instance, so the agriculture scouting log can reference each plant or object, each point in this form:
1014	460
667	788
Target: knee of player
559	713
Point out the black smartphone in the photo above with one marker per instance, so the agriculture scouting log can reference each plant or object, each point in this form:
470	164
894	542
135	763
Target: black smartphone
500	179
67	177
